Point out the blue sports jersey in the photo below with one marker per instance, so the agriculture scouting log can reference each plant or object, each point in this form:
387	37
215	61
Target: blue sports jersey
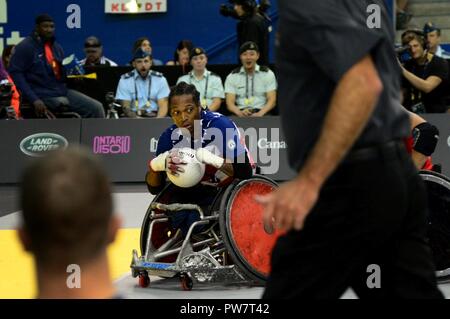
219	134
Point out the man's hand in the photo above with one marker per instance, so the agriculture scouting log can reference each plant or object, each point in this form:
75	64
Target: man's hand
158	164
247	112
206	157
41	110
289	205
258	114
174	163
129	113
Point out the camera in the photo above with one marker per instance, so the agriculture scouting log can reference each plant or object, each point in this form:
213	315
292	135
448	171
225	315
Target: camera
403	53
227	9
114	109
6	93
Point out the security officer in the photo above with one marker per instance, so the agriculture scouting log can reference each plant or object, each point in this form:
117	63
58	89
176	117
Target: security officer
206	82
433	37
250	89
142	92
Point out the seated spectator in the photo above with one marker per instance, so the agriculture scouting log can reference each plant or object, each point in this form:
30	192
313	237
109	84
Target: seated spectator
36	68
5	79
425	78
250	89
181	55
145	44
67	224
93	49
6	55
433	37
208	84
143	92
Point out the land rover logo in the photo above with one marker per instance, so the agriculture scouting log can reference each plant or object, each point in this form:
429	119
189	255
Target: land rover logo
38	144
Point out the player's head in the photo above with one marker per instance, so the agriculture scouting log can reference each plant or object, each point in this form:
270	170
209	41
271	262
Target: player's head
142	61
433	35
416	43
67	210
45	26
184	105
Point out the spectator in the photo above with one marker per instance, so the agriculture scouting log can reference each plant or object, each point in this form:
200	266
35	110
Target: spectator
208	84
143	92
145	44
67	220
6	55
252	27
425	76
433	37
36	68
93	49
181	55
250	89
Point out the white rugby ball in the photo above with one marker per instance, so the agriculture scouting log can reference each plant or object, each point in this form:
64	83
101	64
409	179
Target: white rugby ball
193	170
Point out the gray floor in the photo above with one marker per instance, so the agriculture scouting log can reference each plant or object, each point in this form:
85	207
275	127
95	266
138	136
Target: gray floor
131	202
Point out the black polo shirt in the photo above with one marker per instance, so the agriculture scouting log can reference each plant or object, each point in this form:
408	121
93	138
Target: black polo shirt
319	41
434	101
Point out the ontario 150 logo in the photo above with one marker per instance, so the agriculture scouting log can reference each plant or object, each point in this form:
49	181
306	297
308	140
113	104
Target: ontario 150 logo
38	144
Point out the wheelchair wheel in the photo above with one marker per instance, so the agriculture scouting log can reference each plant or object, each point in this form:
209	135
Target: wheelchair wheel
160	228
438	192
242	229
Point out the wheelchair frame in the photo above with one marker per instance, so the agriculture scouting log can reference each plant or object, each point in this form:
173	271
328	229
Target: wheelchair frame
204	261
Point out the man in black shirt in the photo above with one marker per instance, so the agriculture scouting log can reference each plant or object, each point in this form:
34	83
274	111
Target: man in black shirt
252	27
425	78
355	214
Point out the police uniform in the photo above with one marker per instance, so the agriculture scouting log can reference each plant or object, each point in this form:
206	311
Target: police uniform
143	93
440	52
251	91
210	86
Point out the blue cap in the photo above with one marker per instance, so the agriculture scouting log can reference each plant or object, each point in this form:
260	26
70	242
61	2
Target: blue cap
430	27
141	54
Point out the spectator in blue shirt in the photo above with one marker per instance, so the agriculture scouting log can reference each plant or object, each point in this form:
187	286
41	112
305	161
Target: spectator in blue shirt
143	92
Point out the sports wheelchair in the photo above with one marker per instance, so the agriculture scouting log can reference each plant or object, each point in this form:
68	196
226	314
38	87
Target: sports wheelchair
438	192
233	246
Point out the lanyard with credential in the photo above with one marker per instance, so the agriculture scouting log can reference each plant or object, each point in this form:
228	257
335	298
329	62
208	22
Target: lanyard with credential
206	89
249	100
148	103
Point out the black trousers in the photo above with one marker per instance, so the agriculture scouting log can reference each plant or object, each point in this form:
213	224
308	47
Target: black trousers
371	211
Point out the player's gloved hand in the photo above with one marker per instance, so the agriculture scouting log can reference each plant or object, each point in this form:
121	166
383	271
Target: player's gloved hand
174	163
158	164
207	157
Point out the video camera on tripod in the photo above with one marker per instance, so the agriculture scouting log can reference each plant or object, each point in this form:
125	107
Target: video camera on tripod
6	110
113	108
